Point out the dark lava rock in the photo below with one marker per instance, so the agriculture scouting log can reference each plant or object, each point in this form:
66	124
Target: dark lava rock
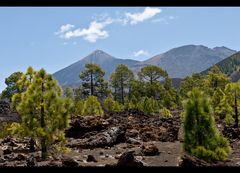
79	126
20	157
191	161
135	112
127	159
69	162
4	107
107	138
31	161
132	133
133	141
150	150
91	158
231	132
8	150
2	160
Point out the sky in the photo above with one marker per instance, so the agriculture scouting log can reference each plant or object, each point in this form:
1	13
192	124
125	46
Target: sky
55	37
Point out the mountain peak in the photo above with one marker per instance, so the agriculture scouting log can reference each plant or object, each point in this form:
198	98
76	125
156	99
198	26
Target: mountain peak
98	51
97	55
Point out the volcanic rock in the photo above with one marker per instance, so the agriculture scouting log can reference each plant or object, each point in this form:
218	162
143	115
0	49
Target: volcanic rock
91	158
69	162
150	150
127	159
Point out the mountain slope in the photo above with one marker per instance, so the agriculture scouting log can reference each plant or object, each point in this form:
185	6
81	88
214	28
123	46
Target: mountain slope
69	76
185	60
178	62
229	66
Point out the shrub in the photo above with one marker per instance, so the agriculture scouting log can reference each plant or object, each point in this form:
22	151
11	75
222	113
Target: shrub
92	106
148	105
165	113
201	137
78	108
112	106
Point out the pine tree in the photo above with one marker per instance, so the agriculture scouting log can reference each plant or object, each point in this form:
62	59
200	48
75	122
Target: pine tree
23	83
151	76
229	103
149	106
92	106
201	137
121	81
169	95
137	89
77	94
196	80
44	114
111	105
216	79
68	93
12	86
93	82
78	107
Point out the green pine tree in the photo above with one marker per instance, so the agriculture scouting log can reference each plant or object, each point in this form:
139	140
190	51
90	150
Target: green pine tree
201	137
44	114
92	106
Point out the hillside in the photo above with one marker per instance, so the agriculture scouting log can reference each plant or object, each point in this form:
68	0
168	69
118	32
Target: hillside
183	61
230	66
178	62
69	76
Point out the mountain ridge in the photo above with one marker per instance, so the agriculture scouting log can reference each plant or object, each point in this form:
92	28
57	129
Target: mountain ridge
178	62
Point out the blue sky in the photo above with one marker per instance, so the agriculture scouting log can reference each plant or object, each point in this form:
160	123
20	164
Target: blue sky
55	37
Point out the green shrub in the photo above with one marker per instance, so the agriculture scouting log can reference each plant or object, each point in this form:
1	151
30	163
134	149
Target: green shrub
165	113
78	108
149	106
112	106
201	137
92	106
130	104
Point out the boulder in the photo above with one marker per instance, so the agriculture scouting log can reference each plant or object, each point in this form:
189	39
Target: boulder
20	157
79	126
133	141
150	150
4	107
191	161
132	133
127	159
7	150
91	158
69	162
31	161
107	138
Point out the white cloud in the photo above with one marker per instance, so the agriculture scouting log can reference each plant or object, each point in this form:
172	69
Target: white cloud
148	13
64	28
164	19
140	53
96	29
92	33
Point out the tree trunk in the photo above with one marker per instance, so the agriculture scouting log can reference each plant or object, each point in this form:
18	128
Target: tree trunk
199	139
151	79
32	142
43	140
91	83
122	91
129	92
236	110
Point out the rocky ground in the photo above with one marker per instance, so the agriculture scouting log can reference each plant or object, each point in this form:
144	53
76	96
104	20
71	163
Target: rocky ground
128	139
